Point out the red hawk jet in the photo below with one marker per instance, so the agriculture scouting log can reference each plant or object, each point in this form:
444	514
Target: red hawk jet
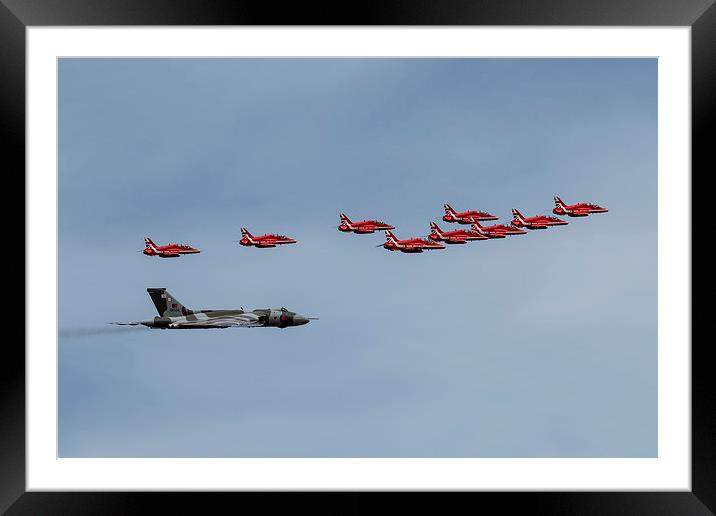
362	227
496	231
465	217
167	251
576	210
459	236
538	222
411	245
247	239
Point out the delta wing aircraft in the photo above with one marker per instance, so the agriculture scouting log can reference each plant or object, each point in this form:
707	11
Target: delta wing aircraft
174	315
581	209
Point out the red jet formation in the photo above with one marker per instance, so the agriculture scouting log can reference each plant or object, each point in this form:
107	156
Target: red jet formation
167	251
465	217
247	239
362	227
496	231
410	245
538	222
459	236
576	210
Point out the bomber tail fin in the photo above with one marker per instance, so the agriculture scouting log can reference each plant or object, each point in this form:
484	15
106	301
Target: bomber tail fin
166	304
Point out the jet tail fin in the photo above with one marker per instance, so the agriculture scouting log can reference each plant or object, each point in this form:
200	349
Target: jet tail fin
448	209
516	214
245	233
344	218
558	202
166	304
148	243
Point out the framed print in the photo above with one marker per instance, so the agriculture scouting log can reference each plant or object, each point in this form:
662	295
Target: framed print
558	362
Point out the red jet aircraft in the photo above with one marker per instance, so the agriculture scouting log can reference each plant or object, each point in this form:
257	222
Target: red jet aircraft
496	231
459	236
167	251
362	227
247	239
465	217
410	245
576	210
538	222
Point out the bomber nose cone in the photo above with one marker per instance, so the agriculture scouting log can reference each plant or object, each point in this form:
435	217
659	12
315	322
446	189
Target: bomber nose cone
298	320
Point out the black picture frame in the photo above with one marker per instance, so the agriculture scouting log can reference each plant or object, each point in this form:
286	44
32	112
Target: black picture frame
16	15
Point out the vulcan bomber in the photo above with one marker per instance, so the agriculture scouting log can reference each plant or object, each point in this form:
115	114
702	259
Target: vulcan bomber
174	315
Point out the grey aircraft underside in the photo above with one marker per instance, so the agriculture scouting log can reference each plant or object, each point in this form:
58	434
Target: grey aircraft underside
174	315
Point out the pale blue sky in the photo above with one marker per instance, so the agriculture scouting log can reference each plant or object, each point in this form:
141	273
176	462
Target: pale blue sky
542	345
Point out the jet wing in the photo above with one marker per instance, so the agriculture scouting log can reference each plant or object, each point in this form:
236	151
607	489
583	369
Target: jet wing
216	324
245	320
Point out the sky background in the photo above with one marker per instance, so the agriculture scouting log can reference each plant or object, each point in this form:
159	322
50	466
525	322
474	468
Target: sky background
539	345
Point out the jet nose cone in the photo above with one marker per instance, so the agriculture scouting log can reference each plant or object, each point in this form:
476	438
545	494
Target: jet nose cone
299	320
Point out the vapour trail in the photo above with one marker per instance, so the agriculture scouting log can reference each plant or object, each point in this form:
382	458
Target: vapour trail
91	332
